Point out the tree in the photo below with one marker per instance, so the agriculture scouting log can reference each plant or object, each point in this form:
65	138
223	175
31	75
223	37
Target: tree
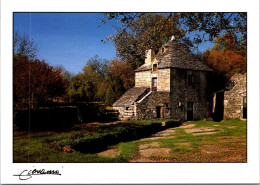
123	71
120	77
229	41
190	28
227	62
35	81
95	72
81	89
142	33
227	56
25	46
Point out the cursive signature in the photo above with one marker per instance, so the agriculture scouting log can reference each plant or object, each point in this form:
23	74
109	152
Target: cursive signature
27	174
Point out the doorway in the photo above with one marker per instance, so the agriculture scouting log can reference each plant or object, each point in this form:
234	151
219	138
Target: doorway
189	111
158	112
244	108
218	110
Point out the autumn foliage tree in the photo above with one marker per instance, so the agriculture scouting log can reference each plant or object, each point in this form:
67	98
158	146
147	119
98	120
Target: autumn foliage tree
35	81
120	77
227	56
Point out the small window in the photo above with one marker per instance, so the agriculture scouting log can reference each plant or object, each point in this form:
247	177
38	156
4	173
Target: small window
154	84
162	50
190	78
155	68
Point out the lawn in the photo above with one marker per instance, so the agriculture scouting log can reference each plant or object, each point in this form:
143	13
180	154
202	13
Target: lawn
196	141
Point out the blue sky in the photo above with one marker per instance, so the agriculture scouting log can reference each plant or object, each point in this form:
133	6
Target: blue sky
69	39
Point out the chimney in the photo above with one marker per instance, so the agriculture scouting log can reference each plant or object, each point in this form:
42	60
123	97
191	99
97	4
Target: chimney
149	56
172	38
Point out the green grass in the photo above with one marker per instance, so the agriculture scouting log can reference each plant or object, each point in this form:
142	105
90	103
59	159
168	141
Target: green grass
224	146
49	146
128	149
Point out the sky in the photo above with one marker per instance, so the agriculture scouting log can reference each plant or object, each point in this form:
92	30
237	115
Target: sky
69	39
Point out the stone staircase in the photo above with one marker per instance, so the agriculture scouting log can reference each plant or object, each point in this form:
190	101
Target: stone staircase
125	104
128	114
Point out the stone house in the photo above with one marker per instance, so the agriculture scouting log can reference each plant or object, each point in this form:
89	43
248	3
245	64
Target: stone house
235	97
171	84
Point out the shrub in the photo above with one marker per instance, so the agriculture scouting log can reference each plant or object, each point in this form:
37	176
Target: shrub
110	134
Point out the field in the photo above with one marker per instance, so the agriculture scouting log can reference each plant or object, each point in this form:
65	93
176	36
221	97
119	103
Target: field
143	141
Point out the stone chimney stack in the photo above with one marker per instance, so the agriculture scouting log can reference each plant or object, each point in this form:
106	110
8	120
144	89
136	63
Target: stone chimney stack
149	56
172	38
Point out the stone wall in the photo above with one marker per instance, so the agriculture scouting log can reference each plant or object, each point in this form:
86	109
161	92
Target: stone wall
163	80
173	93
147	109
235	99
143	79
182	93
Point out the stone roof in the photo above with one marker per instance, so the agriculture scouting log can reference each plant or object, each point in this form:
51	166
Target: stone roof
131	96
176	55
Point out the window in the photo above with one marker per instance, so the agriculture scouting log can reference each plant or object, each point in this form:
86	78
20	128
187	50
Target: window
190	81
162	50
154	84
155	67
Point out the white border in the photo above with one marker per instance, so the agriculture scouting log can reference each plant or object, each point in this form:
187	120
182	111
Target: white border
133	173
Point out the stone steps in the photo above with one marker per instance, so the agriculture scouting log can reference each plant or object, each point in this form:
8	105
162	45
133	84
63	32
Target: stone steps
129	111
127	101
127	114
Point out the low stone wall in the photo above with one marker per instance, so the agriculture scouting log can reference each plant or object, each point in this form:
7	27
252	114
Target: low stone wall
235	99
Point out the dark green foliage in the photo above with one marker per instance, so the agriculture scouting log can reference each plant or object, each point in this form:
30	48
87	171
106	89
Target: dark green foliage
80	89
111	134
110	96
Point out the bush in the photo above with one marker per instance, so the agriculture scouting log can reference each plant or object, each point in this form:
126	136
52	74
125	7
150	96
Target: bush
111	134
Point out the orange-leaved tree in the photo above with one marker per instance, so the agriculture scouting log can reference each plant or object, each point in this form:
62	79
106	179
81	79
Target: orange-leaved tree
227	56
35	81
227	62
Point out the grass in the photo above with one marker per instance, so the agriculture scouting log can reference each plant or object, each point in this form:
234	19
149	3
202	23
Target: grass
228	144
50	146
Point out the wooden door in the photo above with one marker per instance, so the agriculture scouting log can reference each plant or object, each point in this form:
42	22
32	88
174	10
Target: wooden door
162	112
